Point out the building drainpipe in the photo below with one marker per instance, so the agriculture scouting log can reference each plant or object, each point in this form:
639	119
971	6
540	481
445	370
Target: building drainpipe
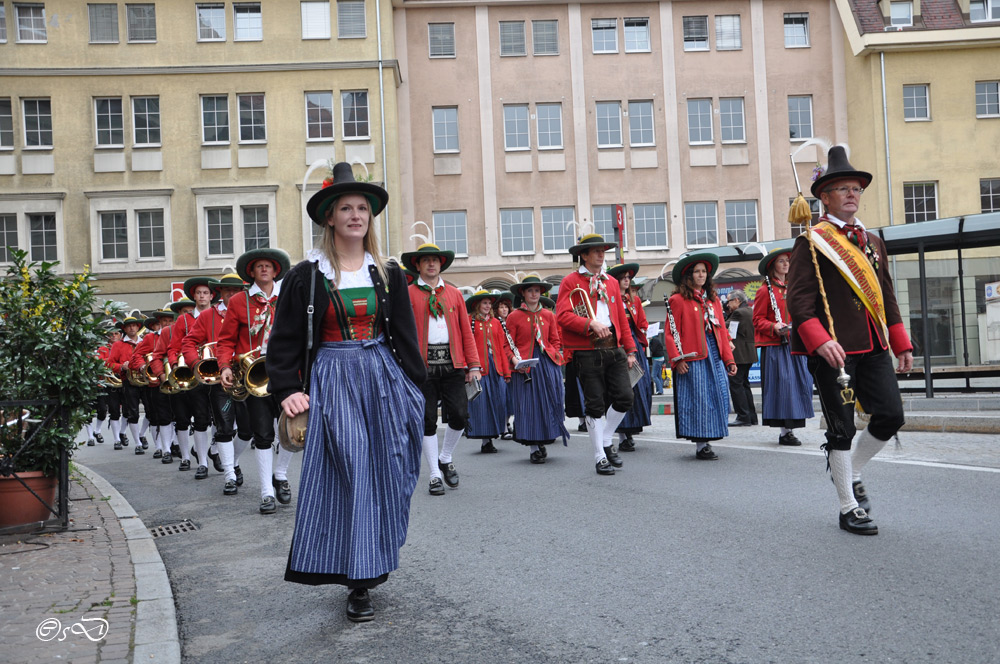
381	101
888	165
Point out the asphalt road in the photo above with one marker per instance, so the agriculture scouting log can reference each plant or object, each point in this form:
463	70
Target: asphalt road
670	560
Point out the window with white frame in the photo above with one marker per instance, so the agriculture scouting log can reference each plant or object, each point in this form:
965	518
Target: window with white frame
114	235
984	10
797	30
141	20
606	221
219	226
351	19
248	24
256	229
253	123
731	120
609	124
814	208
650	225
640	123
445	128
919	201
701	224
103	23
441	40
545	37
43	239
211	22
146	120
110	122
741	222
32	226
901	14
517	231
700	121
549	126
8	237
450	233
37	123
354	111
558	229
728	33
915	103
515	127
987	99
214	119
315	20
695	33
319	116
152	237
3	24
512	38
800	117
30	23
6	123
605	34
989	194
637	35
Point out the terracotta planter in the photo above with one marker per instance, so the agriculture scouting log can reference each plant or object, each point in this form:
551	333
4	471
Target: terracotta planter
18	506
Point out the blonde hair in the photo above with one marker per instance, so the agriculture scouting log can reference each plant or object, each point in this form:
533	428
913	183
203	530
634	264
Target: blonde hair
329	247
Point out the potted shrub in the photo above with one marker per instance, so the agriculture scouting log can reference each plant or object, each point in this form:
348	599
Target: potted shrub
48	342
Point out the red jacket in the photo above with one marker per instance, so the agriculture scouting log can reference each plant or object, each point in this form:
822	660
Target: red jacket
234	337
145	346
460	339
636	314
182	327
763	314
575	329
690	320
520	323
498	343
160	349
121	352
207	328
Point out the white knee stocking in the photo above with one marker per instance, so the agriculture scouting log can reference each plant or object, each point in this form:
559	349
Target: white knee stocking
840	469
145	426
184	442
430	445
866	447
264	465
239	446
451	437
226	455
134	428
201	447
612	420
281	468
116	429
595	431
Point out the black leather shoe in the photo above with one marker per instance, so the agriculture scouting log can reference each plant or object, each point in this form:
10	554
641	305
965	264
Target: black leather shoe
230	488
582	428
167	458
544	451
613	457
359	606
706	454
789	439
239	476
739	423
201	472
861	495
185	465
118	445
283	489
267	505
91	443
175	449
536	457
145	443
489	448
858	522
436	487
122	437
450	474
216	462
605	468
139	450
627	445
99	438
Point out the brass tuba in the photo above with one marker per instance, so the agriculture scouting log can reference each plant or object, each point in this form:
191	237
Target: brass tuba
206	369
151	380
255	377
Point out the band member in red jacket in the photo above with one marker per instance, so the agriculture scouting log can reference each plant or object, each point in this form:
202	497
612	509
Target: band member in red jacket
701	383
449	349
247	329
488	412
229	415
119	359
158	410
600	345
105	399
179	408
642	391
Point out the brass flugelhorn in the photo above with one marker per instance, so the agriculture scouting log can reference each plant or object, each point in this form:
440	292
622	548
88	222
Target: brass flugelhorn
166	386
206	369
241	364
182	377
151	380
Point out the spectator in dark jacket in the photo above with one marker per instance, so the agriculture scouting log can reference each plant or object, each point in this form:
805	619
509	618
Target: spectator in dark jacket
656	352
745	354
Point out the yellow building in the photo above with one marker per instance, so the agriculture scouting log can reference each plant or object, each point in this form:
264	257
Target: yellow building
157	141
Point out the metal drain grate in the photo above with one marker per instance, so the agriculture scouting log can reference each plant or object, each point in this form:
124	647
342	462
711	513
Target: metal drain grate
184	526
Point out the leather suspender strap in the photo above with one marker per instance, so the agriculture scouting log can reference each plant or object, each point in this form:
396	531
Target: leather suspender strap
309	328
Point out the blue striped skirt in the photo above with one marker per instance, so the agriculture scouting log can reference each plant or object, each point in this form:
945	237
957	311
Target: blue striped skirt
488	412
360	464
642	397
538	403
703	397
787	385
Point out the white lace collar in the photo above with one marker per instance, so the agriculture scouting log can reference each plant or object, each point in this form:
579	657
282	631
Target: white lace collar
356	279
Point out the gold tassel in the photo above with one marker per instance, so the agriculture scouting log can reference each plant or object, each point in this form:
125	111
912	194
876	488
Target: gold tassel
800	213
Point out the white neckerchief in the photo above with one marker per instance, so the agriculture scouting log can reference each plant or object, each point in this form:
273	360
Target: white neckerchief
840	224
276	289
437	328
602	312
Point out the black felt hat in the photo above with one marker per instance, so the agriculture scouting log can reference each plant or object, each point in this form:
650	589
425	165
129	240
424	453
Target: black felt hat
838	168
342	182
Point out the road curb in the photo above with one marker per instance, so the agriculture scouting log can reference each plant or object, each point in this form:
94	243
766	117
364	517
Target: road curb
156	637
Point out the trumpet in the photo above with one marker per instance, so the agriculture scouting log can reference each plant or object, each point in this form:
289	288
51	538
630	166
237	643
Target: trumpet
151	380
206	369
182	377
109	379
579	302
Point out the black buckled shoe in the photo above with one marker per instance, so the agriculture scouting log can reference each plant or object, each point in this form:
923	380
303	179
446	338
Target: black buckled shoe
267	505
122	437
175	449
359	606
118	445
283	489
627	445
139	450
613	457
99	438
789	439
90	442
605	468
144	442
488	448
536	457
861	495
201	472
185	465
582	428
239	475
436	487
450	474
230	488
216	462
157	454
706	454
167	458
858	522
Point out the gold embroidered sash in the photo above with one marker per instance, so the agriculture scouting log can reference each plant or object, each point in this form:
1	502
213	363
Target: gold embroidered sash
854	265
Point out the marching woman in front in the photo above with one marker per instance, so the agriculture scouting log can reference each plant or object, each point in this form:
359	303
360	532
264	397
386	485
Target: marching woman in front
488	411
642	391
537	391
701	386
365	409
786	384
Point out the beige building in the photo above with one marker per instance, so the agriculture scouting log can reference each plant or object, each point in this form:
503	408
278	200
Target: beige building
157	141
521	125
